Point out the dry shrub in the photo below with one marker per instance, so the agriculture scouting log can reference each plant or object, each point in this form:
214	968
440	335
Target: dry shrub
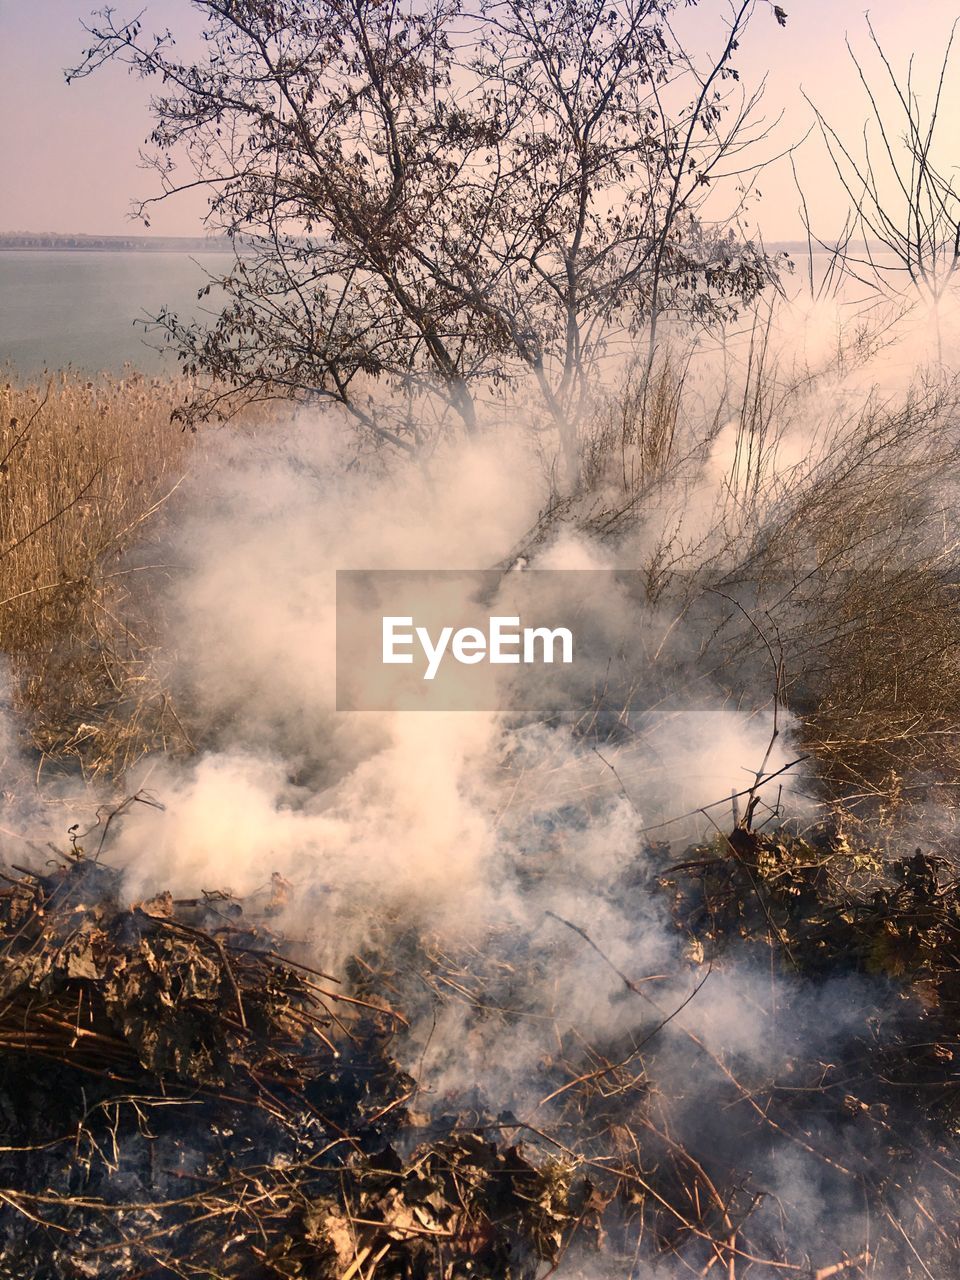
843	566
848	564
882	715
85	467
630	440
866	548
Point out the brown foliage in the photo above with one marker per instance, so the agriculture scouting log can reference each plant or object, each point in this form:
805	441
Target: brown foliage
86	466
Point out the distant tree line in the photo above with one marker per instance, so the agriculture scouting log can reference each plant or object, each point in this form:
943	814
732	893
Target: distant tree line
122	244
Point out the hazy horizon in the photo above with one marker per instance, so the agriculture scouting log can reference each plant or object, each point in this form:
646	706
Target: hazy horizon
54	137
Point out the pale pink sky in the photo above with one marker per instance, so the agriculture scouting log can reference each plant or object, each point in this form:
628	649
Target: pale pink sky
69	155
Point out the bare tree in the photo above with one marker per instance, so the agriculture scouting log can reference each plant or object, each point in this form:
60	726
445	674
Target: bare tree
905	206
433	204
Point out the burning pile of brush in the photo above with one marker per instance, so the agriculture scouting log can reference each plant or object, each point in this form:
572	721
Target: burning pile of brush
180	1097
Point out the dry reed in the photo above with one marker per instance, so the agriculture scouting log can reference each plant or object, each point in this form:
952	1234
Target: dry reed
86	466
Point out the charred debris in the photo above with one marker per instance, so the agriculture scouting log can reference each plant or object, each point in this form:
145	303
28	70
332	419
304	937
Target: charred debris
182	1094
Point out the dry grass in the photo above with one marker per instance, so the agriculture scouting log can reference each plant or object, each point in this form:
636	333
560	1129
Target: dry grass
630	441
862	554
847	560
86	467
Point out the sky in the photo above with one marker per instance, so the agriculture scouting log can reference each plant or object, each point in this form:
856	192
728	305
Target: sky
70	154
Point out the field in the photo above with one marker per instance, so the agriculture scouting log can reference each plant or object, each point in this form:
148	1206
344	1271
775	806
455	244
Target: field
643	965
88	467
829	502
587	1010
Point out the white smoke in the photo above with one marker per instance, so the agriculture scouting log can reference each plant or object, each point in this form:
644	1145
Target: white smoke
403	810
